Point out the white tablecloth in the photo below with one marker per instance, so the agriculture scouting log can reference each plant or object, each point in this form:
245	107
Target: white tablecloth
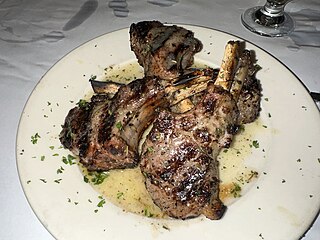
34	34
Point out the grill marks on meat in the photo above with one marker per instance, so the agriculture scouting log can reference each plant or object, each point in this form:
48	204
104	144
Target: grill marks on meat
250	97
179	155
163	51
106	133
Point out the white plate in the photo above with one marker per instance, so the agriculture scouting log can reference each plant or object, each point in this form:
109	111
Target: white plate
281	204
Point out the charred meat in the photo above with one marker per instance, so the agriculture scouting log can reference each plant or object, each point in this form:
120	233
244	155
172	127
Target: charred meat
195	113
105	133
179	158
179	155
163	51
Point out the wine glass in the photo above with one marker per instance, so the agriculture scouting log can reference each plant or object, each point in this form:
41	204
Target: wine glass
268	20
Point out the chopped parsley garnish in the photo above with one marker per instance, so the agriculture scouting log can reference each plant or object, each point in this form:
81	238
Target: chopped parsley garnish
85	179
83	104
43	180
99	177
236	190
34	139
253	174
101	202
42	158
119	195
58	180
150	149
255	143
60	170
166	227
147	213
69	159
257	67
51	147
119	126
93	77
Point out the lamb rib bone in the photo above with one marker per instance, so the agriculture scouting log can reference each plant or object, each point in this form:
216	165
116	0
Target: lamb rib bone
179	155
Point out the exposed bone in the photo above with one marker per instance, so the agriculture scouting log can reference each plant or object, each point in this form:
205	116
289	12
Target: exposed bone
241	74
228	65
109	88
176	95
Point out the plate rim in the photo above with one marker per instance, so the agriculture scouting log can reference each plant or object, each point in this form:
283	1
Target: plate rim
126	28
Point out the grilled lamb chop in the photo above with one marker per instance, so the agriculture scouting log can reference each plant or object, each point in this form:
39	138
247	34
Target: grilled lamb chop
105	132
198	118
163	51
179	155
250	96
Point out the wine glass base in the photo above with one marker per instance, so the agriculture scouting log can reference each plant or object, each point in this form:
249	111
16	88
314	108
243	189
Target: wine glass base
250	21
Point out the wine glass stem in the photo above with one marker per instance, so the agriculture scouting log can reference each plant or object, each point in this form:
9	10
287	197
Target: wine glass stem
273	9
272	13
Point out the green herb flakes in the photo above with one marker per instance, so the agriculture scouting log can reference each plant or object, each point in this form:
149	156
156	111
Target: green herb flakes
257	67
58	180
99	177
42	158
119	195
83	104
101	203
34	139
255	143
147	213
60	170
165	227
119	126
51	147
93	77
43	180
69	160
236	190
85	179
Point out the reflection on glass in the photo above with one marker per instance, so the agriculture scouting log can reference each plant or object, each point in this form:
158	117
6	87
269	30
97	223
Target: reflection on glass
268	20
